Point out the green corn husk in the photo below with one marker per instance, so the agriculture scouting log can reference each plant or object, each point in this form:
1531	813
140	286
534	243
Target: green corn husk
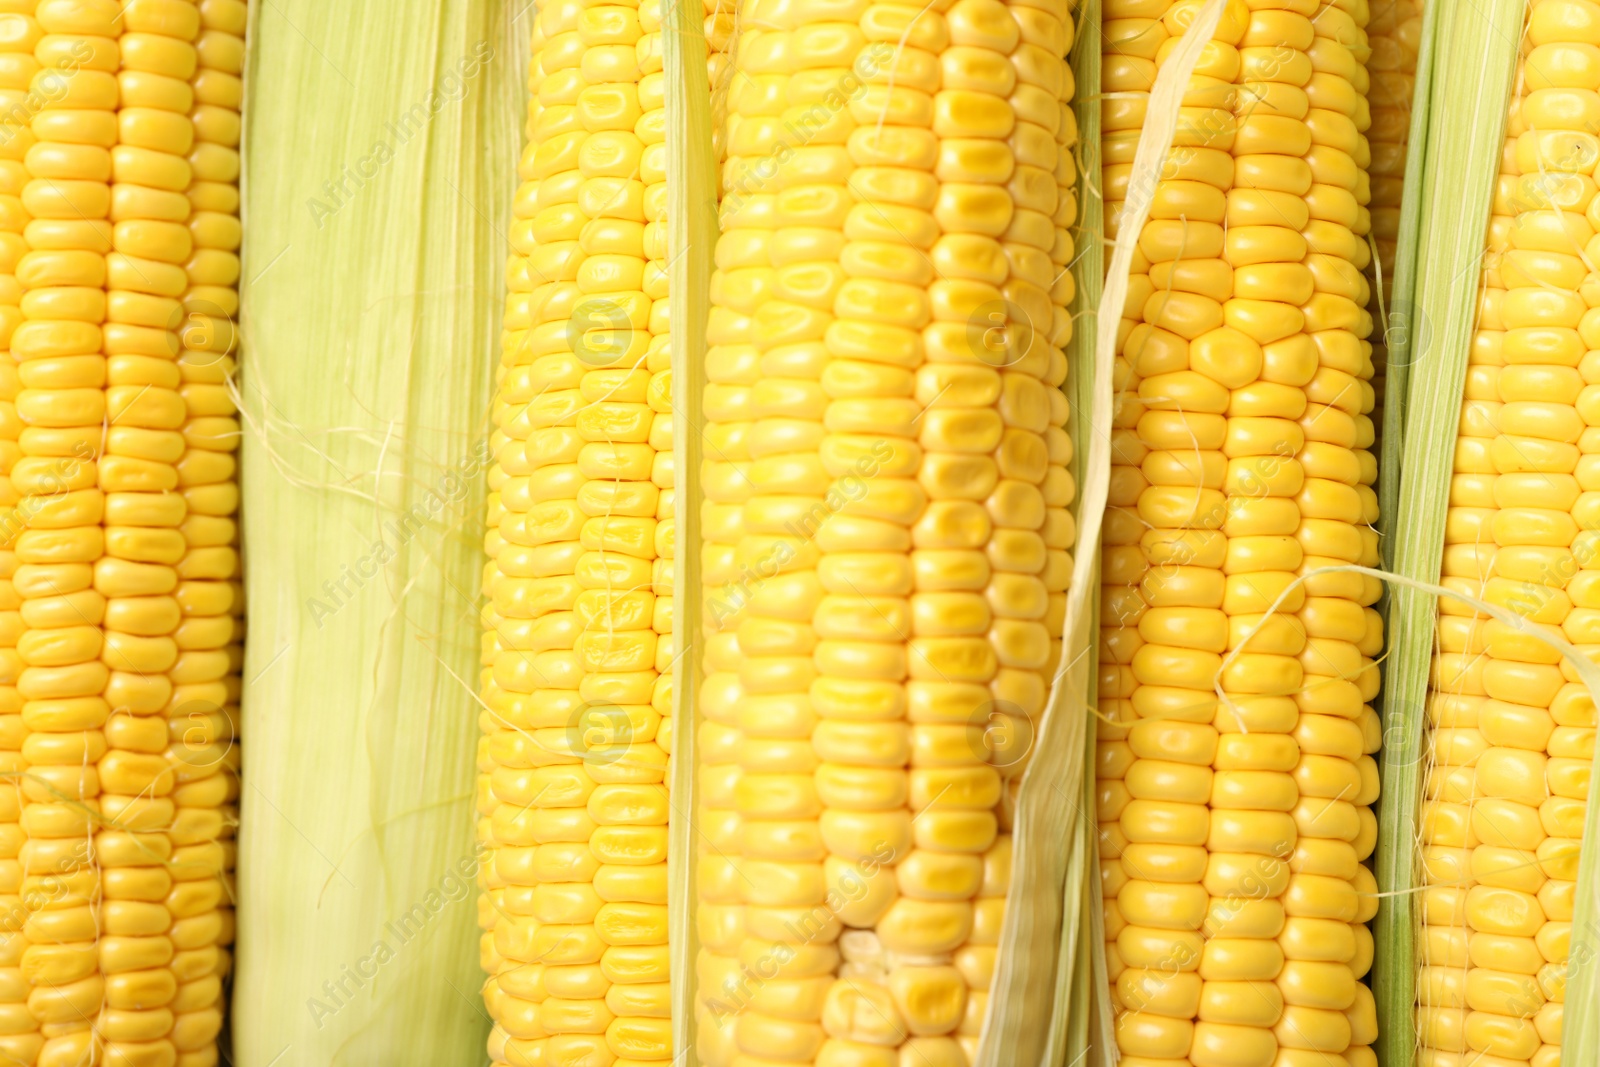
1449	185
369	342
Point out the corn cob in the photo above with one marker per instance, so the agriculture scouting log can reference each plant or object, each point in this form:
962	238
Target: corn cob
576	804
1233	831
1510	732
100	217
885	528
1394	34
146	279
203	712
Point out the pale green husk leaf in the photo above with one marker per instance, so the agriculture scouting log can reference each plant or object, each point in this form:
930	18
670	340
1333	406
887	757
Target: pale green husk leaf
370	332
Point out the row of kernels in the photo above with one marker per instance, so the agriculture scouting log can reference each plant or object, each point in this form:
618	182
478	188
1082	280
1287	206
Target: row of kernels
742	282
1468	558
986	107
1337	729
490	897
780	839
621	645
22	1038
616	480
520	598
1039	287
62	407
1016	728
1267	216
1060	529
975	960
1191	286
1338	501
1394	35
145	275
1513	839
957	629
1123	564
1531	412
652	131
1550	868
799	764
804	282
502	445
203	710
1162	900
508	444
1126	69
